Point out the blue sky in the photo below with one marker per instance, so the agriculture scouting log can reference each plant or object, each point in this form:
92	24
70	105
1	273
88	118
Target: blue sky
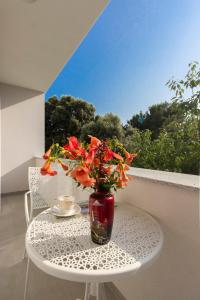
123	63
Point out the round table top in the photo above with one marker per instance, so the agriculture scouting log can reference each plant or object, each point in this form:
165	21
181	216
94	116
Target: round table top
63	248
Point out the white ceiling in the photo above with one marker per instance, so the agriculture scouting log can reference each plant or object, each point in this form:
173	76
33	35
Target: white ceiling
37	37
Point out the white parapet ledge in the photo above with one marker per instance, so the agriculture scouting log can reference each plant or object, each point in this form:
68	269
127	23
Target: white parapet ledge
172	178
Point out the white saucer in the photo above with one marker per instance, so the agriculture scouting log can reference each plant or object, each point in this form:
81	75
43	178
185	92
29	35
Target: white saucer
58	212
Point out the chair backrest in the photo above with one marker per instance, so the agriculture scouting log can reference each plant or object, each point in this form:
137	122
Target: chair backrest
34	178
44	189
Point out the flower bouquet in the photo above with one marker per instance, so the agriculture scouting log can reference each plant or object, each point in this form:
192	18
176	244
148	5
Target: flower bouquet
101	165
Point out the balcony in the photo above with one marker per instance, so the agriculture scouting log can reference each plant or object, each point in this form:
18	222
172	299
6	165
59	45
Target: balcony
173	199
30	61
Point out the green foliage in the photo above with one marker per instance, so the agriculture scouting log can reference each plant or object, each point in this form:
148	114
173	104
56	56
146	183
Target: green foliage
153	119
103	127
66	117
173	143
177	148
140	142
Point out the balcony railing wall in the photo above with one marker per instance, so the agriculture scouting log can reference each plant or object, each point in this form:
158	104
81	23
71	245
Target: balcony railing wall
175	274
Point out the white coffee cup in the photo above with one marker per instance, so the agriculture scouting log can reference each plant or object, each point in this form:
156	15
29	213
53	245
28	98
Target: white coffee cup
65	202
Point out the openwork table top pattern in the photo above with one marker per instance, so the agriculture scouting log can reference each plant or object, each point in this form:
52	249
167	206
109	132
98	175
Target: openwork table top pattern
63	247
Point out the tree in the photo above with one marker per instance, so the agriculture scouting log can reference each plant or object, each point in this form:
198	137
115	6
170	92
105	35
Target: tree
176	144
104	127
187	93
140	142
138	121
184	103
179	150
154	119
66	117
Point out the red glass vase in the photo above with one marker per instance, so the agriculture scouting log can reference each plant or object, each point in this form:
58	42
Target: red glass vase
101	209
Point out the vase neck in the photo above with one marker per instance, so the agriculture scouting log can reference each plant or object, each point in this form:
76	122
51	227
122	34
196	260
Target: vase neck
103	191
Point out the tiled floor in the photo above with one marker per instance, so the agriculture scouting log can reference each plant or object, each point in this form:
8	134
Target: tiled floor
13	267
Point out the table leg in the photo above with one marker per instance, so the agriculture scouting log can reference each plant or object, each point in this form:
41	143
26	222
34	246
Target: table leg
91	289
102	292
26	279
87	289
24	255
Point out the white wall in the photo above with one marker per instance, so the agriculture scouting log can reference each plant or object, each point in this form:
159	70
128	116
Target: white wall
175	275
22	134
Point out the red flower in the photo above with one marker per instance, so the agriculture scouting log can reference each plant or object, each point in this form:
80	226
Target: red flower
72	145
107	170
108	154
123	178
122	167
94	143
63	165
90	157
96	162
81	152
47	154
46	169
117	156
81	174
92	163
73	142
89	182
130	157
52	172
74	148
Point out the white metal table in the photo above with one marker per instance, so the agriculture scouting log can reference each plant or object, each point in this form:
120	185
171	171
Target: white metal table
62	247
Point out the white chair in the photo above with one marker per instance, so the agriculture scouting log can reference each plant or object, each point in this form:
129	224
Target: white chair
32	198
43	188
32	201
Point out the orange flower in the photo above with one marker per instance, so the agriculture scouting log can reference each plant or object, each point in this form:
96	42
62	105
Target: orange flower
108	154
73	142
81	174
81	152
63	165
117	156
130	157
46	169
47	154
123	178
94	143
51	172
43	172
92	163
90	157
122	167
74	149
107	170
89	182
96	162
